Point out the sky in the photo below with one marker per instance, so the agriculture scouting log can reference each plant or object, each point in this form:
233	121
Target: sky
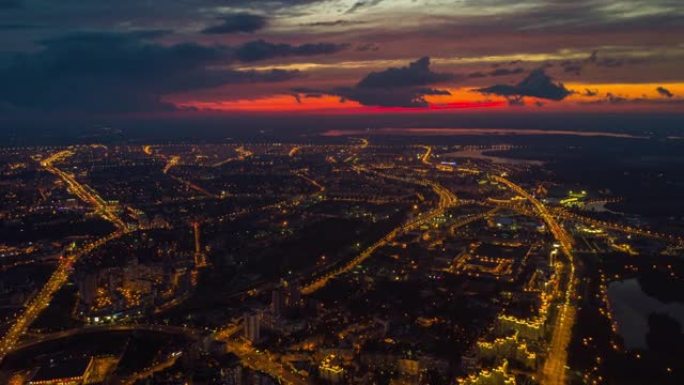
159	58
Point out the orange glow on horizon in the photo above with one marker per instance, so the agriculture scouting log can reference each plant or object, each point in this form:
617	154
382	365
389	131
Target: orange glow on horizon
330	104
460	99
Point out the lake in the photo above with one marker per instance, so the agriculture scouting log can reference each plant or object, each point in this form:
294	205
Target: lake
631	307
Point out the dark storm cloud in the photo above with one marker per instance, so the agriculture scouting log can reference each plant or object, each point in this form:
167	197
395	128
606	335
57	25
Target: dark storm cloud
239	22
537	84
662	91
417	73
263	50
393	87
107	72
397	87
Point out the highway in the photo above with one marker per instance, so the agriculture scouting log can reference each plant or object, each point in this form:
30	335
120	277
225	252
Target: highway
42	300
83	192
554	368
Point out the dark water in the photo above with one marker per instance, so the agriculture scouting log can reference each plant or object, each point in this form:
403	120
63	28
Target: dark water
631	308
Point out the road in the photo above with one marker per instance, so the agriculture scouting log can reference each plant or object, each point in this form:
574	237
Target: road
632	230
42	300
554	368
446	200
263	361
168	362
425	159
194	186
470	219
313	182
171	163
65	265
83	192
35	339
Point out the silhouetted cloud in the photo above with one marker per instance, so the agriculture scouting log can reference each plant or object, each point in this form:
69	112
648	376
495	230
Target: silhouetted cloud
386	97
397	87
263	50
662	91
393	87
238	22
537	84
417	73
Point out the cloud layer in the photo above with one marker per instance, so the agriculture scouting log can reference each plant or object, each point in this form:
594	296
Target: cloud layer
105	72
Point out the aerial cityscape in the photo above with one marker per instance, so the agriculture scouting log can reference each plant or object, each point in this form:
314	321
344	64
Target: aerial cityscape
324	192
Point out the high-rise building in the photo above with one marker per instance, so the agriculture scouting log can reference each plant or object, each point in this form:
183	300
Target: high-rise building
277	302
252	326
